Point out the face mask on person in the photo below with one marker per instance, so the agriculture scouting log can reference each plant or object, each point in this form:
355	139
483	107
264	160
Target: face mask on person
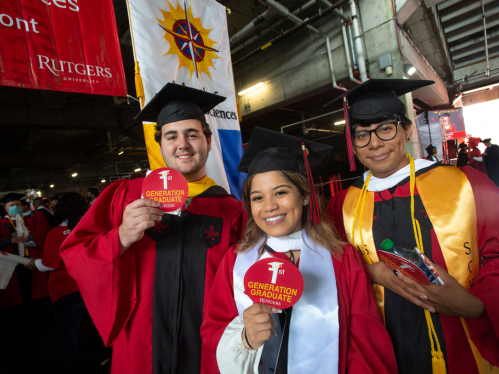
13	210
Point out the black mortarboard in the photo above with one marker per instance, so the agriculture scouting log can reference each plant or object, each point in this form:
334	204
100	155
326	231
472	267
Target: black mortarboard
462	145
269	150
376	98
11	196
373	99
175	102
486	140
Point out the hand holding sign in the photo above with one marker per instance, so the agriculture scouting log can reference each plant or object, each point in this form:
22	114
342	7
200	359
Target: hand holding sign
272	284
137	218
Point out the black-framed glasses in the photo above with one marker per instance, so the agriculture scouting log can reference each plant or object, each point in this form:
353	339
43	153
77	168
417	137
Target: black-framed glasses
386	131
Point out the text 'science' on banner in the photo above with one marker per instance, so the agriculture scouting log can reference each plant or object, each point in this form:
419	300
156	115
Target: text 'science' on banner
187	42
61	45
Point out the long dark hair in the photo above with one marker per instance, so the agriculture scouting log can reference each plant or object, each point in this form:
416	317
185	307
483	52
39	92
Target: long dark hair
71	206
323	234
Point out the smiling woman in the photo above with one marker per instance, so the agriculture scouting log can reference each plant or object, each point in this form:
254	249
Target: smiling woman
286	221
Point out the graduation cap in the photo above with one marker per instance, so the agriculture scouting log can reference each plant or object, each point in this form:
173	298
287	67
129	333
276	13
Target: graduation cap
11	196
486	140
374	99
269	150
175	102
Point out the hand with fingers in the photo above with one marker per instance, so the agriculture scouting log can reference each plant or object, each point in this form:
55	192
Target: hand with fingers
258	325
451	299
137	218
384	276
31	265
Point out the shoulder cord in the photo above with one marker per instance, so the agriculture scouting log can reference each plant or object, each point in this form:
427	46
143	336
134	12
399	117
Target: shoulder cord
438	362
12	222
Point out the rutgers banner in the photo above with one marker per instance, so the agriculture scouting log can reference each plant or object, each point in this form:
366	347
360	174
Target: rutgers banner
63	45
187	42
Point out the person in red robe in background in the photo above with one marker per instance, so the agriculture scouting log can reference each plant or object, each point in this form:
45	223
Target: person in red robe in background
335	327
65	297
144	275
475	156
448	213
43	221
25	284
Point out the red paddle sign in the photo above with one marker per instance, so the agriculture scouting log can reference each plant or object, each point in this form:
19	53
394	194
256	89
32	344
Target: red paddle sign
166	186
275	282
404	266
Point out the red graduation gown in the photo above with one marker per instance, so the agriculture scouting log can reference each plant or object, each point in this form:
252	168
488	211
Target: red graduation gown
484	330
23	279
40	228
365	345
149	303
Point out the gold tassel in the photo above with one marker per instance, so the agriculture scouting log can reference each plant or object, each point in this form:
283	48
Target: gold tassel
441	363
139	87
434	363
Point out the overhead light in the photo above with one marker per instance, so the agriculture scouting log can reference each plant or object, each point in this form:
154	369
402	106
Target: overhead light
74	175
138	169
251	88
121	152
266	46
340	122
409	69
51	186
103	181
39	193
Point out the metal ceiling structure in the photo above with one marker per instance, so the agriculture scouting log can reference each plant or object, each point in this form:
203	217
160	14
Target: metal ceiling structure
49	135
465	24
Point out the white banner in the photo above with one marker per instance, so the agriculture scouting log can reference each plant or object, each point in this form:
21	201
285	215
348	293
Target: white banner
8	263
187	42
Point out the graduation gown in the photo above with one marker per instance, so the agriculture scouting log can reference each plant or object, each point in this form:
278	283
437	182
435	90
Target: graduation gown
149	303
25	284
462	159
475	152
491	160
405	321
41	225
364	345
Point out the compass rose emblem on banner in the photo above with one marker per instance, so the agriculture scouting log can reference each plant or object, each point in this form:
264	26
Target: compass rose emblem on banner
188	39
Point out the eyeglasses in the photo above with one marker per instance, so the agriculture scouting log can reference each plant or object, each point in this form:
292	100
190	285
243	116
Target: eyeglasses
386	131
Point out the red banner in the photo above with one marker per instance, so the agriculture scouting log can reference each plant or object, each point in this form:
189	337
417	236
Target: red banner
63	45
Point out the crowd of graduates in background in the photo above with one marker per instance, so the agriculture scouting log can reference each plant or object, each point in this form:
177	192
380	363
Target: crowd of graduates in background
45	277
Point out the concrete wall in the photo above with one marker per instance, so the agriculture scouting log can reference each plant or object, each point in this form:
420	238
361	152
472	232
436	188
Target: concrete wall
481	96
292	66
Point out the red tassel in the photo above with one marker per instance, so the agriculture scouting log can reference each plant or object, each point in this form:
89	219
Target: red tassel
331	186
339	181
314	205
351	158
